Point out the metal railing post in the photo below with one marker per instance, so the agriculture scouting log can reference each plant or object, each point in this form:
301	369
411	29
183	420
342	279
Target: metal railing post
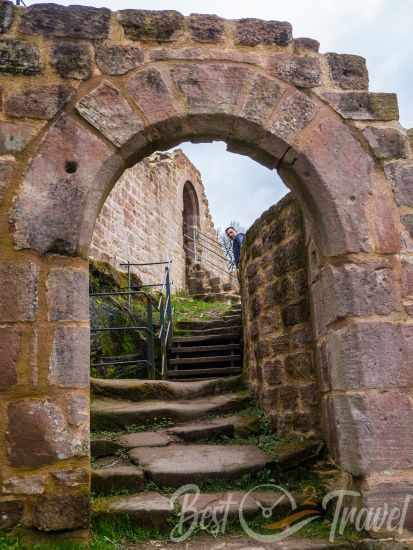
151	340
129	288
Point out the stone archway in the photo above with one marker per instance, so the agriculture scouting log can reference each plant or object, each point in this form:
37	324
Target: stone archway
93	93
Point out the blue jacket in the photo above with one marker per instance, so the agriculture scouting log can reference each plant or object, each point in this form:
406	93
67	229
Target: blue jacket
236	247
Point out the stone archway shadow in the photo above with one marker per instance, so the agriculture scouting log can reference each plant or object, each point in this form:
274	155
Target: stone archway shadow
276	99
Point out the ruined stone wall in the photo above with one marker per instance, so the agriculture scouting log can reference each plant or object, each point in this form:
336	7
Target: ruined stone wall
279	348
142	218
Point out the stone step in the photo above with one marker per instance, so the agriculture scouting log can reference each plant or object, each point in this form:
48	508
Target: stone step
177	465
229	426
142	390
145	509
206	325
228	337
204	349
203	359
232	542
231	329
117	478
212	372
114	415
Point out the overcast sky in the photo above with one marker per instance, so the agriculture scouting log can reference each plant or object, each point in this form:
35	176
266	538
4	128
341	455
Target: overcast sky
380	30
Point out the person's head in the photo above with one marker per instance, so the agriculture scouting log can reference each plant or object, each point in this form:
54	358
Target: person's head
231	232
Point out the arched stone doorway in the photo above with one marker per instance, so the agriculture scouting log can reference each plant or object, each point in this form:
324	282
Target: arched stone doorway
266	95
190	216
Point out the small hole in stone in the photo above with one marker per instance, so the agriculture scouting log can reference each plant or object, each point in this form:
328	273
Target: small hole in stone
352	198
71	166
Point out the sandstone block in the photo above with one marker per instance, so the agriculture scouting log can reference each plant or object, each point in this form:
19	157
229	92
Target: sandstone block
29	485
66	21
80	162
209	88
73	60
407	276
109	112
42	102
375	431
392	492
304	72
367	355
6	15
7	170
19	58
61	513
67	291
364	105
400	175
262	100
38	435
71	478
387	143
354	290
294	314
10	346
289	257
306	44
273	372
69	362
349	72
15	136
407	221
117	59
18	292
251	32
151	94
206	28
11	513
299	366
160	26
78	410
294	113
410	137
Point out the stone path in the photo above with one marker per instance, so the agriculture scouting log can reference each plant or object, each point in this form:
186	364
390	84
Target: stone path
181	452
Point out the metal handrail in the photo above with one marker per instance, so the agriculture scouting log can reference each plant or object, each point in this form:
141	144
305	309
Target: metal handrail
165	308
196	240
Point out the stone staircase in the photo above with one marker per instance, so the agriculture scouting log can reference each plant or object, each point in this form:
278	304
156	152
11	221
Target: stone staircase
151	437
203	285
205	349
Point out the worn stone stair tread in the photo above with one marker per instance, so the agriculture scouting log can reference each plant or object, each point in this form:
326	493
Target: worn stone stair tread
119	477
204	338
236	330
179	464
205	429
230	503
221	371
210	359
201	349
210	324
115	414
147	508
140	390
144	439
238	542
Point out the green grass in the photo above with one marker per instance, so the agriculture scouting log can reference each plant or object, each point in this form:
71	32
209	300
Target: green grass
188	309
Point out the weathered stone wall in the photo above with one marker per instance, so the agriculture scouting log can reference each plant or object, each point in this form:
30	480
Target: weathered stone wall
142	219
86	94
279	349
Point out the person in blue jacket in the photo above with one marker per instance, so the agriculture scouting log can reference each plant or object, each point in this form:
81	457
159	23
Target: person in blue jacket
237	240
